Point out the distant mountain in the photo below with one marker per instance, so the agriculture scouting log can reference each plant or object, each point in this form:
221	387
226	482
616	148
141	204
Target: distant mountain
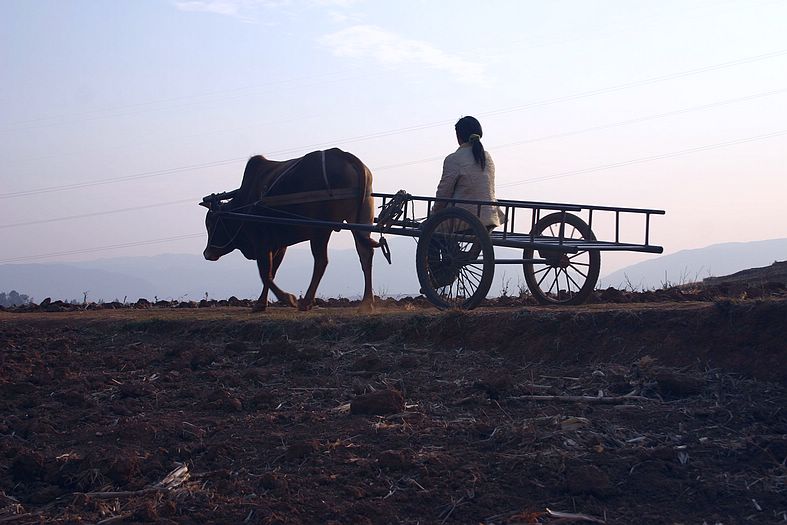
190	277
695	265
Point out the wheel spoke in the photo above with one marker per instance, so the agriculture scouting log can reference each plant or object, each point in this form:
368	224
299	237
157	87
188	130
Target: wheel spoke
472	278
464	285
544	276
580	272
572	280
457	287
462	282
554	283
472	270
542	269
568	289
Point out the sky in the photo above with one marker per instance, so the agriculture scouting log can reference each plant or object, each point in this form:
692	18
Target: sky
117	117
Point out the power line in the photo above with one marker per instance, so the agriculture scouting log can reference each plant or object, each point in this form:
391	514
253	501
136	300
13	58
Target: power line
102	248
643	82
646	118
437	158
128	109
408	129
113	180
99	213
507	185
642	159
549	101
599	127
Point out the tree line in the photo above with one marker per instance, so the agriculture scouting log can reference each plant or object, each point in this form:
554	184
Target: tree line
13	298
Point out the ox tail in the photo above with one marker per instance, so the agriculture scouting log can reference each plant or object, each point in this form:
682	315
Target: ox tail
365	213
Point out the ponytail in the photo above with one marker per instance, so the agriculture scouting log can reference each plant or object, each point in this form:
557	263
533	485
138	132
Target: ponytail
478	150
468	129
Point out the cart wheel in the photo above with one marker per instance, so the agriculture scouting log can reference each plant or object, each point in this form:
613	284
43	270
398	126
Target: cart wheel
455	261
565	278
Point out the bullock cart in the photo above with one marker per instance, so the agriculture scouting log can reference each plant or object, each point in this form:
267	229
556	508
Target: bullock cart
456	255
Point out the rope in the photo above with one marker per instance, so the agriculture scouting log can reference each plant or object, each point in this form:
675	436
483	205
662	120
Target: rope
393	210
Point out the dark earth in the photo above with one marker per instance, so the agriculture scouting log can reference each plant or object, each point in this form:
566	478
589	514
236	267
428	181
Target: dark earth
669	409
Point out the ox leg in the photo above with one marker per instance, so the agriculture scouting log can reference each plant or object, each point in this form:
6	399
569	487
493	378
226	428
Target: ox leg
319	246
281	295
365	248
265	266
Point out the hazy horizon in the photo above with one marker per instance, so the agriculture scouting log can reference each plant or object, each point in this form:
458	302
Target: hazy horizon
118	116
187	277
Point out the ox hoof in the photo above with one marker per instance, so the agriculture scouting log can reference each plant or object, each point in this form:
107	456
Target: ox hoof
304	305
259	307
290	300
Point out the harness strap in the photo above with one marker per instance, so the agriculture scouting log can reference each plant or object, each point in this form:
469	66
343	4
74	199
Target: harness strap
232	238
309	196
292	166
325	174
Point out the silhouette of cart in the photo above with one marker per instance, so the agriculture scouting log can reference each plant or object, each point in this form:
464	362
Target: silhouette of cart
456	254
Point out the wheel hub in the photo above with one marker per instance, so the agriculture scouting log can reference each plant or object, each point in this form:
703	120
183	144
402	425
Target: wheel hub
556	259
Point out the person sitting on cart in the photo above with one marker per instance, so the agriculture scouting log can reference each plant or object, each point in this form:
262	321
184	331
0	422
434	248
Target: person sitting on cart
469	173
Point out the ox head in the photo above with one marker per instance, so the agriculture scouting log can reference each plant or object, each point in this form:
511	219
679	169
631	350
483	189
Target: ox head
224	234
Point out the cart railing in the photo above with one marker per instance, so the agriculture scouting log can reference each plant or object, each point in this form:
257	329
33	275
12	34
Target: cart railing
419	208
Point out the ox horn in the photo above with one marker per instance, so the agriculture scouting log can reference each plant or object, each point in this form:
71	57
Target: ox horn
211	201
214	199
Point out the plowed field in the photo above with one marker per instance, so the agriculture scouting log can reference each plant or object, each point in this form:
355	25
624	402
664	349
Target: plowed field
620	414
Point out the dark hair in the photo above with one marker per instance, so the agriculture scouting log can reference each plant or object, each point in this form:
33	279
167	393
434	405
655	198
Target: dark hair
468	129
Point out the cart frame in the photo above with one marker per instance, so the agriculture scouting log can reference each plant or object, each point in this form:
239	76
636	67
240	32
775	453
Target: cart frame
452	242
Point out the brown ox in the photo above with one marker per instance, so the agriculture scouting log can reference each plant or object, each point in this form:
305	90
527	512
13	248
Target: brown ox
330	186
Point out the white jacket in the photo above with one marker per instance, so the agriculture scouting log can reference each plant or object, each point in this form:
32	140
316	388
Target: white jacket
464	179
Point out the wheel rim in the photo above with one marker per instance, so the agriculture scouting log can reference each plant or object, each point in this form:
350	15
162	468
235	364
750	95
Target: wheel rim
564	278
453	262
456	260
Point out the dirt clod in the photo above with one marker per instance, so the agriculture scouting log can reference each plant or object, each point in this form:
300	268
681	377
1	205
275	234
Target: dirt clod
393	459
301	449
147	513
27	466
588	479
675	385
378	403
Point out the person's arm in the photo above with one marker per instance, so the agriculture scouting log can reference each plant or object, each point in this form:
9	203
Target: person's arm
445	189
490	170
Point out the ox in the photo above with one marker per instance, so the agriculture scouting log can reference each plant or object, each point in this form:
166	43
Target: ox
327	185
